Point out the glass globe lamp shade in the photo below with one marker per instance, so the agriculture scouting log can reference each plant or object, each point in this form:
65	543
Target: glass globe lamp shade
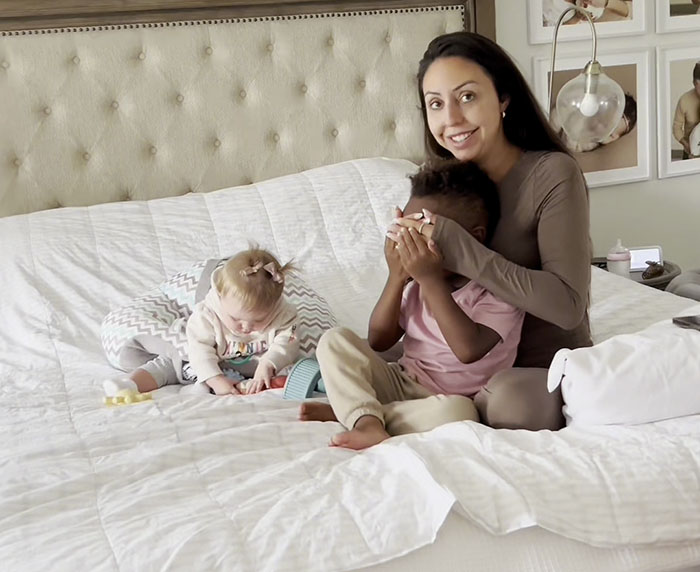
590	106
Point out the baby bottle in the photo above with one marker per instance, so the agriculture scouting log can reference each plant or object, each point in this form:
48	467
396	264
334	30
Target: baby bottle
619	260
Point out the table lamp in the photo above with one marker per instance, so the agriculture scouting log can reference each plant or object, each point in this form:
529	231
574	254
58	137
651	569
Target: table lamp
590	106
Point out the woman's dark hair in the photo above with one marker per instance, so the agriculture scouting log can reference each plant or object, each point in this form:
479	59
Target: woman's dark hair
462	182
524	125
696	72
630	111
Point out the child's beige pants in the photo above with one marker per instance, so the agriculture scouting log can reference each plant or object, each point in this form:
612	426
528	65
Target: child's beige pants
359	382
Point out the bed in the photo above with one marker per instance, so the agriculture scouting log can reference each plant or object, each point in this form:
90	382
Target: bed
130	151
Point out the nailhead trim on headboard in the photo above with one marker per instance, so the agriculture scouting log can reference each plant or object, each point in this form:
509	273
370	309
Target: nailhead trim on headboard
458	7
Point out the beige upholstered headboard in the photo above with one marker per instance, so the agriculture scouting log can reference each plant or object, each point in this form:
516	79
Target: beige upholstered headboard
137	111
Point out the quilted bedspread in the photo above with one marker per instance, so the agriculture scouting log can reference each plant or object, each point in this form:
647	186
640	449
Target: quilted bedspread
187	482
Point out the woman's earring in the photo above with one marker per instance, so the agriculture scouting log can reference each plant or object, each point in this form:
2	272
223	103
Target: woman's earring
503	114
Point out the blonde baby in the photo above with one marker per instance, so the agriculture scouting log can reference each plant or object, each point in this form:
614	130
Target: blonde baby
244	328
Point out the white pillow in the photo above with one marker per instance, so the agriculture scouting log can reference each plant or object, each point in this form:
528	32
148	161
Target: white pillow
636	378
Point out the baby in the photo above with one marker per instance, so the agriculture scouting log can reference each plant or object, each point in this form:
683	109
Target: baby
243	327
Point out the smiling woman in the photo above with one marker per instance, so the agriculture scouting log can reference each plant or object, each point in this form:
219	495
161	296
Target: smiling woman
477	107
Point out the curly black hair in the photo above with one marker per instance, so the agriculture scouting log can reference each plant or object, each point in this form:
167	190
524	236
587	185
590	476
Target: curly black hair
464	184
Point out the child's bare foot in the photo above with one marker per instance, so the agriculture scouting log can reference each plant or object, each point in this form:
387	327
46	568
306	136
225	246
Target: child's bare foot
316	411
368	431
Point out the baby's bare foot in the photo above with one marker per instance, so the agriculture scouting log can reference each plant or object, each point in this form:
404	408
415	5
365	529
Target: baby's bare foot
316	411
368	431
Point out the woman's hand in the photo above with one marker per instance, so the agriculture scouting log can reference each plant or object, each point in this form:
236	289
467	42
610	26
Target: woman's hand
423	223
262	377
222	385
419	257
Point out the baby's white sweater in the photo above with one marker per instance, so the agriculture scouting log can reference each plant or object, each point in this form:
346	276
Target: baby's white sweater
211	341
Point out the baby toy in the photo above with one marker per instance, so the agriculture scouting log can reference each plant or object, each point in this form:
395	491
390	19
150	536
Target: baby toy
303	379
126	397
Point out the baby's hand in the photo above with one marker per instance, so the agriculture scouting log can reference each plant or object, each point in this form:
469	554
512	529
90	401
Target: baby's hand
222	385
262	377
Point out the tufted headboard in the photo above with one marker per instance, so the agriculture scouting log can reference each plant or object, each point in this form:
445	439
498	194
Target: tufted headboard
114	112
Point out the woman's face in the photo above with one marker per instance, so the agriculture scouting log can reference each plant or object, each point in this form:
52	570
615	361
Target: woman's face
463	109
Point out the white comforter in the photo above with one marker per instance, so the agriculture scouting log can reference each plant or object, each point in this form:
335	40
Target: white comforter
205	483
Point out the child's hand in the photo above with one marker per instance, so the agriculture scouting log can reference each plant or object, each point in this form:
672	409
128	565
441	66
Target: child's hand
222	385
393	261
263	374
396	269
419	257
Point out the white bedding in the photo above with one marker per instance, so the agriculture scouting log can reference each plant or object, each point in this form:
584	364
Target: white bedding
186	483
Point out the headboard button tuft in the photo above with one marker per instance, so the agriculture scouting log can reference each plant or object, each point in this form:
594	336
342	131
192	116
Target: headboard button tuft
154	150
17	162
142	56
115	105
209	51
76	60
86	156
217	143
180	98
5	65
334	132
47	111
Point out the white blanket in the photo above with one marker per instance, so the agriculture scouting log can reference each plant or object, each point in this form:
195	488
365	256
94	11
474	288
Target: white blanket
237	483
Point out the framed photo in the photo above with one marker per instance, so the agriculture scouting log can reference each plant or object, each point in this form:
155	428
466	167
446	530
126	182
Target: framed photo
618	18
676	15
625	155
678	81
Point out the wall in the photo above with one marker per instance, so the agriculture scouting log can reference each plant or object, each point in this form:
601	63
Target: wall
657	211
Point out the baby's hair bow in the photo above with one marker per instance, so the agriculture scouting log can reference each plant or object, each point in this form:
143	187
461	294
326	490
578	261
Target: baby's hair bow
272	269
252	269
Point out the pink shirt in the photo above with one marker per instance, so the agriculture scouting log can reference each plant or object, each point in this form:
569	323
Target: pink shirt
427	356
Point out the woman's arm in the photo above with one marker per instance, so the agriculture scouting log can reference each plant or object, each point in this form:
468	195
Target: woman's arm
558	293
679	126
620	7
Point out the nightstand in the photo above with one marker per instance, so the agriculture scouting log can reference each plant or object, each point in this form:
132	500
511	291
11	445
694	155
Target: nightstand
671	270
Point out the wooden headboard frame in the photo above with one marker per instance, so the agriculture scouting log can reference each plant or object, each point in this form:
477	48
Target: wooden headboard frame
167	98
39	14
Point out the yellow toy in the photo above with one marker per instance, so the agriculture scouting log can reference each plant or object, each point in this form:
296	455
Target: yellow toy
126	397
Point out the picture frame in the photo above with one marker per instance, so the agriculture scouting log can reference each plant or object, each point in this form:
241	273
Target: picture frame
628	157
677	15
675	72
543	15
